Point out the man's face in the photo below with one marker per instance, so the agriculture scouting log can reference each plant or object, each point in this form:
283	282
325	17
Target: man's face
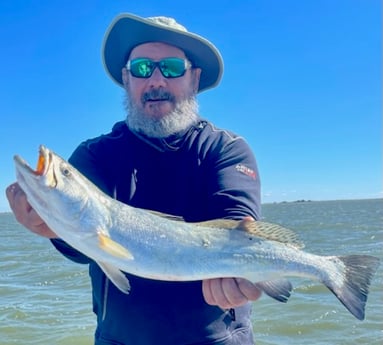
157	95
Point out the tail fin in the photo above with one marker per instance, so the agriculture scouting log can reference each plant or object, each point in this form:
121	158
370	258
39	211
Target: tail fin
358	272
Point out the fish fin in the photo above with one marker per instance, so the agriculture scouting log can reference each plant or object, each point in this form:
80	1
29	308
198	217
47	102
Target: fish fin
270	231
116	276
229	224
358	271
113	248
167	216
264	230
278	289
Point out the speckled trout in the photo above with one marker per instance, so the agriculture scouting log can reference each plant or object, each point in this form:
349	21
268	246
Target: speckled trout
121	238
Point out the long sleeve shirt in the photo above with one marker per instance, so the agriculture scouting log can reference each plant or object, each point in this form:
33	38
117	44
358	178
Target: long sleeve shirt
202	174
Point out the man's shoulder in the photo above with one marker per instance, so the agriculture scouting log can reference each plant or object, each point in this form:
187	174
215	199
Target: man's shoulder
213	131
213	137
106	146
117	134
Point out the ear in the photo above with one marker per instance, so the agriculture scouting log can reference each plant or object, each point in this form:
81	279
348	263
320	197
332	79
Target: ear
196	76
125	77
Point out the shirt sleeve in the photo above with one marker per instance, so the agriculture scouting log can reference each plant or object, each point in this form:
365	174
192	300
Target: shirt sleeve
234	182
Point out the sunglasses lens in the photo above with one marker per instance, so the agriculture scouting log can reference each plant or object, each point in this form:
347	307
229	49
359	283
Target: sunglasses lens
170	67
141	68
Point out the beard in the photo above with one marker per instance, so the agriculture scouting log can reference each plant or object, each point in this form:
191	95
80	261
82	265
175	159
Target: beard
179	120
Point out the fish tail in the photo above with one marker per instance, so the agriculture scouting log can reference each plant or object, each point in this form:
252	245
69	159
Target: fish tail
357	272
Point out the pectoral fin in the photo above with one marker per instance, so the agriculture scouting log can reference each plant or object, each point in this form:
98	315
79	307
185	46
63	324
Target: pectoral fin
278	289
117	277
113	248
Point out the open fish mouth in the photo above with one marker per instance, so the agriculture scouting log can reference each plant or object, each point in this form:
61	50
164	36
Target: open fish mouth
43	162
32	181
44	171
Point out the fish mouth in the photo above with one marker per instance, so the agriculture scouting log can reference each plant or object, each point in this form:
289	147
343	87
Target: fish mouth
43	162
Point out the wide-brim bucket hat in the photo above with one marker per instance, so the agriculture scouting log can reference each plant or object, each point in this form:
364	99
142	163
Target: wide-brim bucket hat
127	31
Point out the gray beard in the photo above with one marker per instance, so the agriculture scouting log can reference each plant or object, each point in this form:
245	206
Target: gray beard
184	116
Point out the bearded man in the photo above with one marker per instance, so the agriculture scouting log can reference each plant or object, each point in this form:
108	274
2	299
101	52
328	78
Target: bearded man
164	157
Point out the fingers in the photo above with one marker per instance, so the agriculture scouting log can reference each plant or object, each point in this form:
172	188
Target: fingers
229	292
213	293
18	202
24	212
248	289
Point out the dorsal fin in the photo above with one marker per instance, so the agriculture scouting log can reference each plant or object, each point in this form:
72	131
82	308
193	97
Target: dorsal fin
264	230
220	223
167	216
270	231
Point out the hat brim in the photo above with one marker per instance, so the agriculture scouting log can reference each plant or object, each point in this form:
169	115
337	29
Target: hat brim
127	31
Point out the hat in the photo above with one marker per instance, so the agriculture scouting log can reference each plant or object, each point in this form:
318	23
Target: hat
127	31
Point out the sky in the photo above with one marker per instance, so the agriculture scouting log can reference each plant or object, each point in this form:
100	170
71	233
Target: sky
302	83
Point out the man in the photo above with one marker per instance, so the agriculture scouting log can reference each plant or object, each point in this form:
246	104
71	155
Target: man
166	158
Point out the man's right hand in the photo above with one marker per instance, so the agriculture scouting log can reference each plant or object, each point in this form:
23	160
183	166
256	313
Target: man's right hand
24	212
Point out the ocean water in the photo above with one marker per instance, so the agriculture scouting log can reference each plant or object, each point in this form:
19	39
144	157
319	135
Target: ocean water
46	299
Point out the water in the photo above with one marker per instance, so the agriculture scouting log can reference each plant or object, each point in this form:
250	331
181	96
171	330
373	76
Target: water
46	299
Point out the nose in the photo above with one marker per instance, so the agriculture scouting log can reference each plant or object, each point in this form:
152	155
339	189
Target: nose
157	79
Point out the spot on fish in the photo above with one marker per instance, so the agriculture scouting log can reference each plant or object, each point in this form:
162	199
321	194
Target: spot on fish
205	242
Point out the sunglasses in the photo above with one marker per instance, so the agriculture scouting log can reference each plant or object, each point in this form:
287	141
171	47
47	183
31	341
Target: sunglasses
171	67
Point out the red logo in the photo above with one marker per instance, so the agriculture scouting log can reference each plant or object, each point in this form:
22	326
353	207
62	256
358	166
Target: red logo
245	170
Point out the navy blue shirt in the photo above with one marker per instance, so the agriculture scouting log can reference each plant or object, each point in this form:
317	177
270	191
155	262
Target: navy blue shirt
202	174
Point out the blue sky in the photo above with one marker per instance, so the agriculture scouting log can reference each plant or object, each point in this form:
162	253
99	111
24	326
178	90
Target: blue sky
302	84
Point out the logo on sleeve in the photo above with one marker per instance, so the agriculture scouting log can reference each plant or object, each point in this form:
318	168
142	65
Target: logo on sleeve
246	170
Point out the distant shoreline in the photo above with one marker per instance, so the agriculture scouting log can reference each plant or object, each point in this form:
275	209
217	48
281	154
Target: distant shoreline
309	200
282	202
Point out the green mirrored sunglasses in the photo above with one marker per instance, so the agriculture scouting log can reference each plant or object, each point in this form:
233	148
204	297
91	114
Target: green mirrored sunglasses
171	67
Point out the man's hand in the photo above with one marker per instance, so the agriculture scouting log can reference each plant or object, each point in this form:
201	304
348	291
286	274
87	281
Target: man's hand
24	212
229	292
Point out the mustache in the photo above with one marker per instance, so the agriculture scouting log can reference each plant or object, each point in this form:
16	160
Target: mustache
157	95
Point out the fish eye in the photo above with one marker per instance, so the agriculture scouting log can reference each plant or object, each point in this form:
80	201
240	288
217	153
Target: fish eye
65	171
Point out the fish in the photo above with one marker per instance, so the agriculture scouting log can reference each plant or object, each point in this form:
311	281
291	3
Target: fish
149	244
